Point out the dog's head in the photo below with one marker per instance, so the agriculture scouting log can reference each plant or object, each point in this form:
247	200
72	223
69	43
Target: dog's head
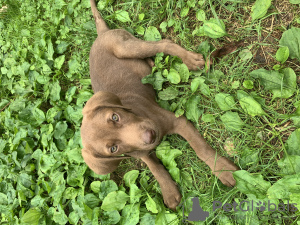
109	131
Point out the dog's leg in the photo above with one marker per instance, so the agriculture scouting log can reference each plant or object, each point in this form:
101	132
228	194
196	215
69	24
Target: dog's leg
124	45
220	166
168	187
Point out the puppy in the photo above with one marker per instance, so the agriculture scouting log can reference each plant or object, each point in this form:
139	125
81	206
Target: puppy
123	120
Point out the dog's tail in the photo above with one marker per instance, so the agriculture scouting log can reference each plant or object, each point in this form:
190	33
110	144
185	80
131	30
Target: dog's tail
100	23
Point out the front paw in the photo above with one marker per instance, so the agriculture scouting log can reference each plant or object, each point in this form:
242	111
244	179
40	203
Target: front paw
172	196
223	170
194	61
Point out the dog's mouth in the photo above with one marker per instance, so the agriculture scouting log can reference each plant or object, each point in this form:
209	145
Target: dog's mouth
149	136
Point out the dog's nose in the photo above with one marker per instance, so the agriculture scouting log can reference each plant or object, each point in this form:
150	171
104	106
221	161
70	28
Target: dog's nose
149	136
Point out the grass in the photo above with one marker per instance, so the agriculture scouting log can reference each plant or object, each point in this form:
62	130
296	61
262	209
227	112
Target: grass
41	102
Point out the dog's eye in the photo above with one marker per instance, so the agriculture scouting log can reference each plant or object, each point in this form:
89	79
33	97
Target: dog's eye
115	117
113	149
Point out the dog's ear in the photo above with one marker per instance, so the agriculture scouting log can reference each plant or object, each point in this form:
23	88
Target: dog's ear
101	165
102	99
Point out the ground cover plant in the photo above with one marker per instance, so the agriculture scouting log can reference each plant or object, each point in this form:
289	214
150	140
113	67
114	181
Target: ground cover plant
247	106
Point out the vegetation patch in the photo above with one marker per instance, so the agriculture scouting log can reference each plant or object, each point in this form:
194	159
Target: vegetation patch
247	106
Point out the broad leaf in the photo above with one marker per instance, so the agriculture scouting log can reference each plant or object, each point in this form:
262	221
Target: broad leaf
290	164
152	34
232	121
122	16
192	110
167	155
115	200
249	105
214	28
151	205
291	39
283	188
248	183
173	76
168	94
130	177
32	216
225	101
130	214
293	143
260	9
282	54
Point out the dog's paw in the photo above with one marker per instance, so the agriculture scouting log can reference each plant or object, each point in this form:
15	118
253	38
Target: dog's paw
227	178
172	197
223	170
194	61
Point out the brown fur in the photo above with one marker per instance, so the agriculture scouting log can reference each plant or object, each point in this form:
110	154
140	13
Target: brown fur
123	111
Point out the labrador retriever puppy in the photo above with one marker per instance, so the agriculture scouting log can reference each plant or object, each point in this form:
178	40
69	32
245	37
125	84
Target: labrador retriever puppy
122	119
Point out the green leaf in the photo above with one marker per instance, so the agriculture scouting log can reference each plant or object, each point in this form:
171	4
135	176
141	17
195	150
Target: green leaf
260	9
91	200
196	82
192	110
173	76
251	183
148	219
232	121
290	164
83	97
32	216
55	91
60	217
245	54
167	155
50	49
140	30
295	1
95	186
289	84
60	129
225	101
248	84
214	28
248	104
284	187
70	193
130	214
58	62
130	177
163	26
293	143
115	200
151	205
282	84
200	15
183	72
122	16
107	187
208	118
168	94
152	34
62	47
291	39
184	11
156	80
282	54
112	217
135	193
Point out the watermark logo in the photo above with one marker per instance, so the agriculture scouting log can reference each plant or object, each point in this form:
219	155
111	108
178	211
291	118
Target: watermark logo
198	214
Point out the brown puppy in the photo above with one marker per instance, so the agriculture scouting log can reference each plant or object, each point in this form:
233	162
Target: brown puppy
122	119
